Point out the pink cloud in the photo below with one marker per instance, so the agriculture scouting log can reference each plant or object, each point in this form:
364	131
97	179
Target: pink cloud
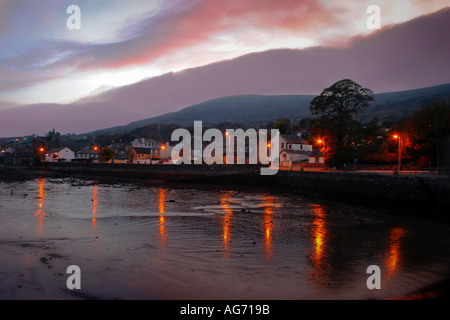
197	24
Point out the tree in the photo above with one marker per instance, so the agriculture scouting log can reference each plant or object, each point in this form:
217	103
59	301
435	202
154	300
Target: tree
336	107
423	132
106	154
284	125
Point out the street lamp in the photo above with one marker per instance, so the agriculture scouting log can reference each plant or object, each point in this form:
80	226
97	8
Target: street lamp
322	141
396	136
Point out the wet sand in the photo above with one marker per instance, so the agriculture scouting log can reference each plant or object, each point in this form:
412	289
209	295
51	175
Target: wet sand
153	241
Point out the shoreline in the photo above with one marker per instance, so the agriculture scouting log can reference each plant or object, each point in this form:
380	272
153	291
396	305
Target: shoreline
408	196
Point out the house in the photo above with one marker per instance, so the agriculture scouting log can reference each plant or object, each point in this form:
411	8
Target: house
143	155
12	157
316	157
145	143
294	142
62	154
166	153
88	154
147	151
121	151
288	157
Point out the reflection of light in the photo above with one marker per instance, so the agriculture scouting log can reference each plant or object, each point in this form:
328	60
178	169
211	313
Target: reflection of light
226	220
268	225
393	254
40	213
162	193
319	236
94	204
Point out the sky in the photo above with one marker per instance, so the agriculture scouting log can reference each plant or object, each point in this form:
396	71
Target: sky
124	42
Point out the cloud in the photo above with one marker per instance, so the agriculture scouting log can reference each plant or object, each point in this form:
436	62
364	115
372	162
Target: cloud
161	36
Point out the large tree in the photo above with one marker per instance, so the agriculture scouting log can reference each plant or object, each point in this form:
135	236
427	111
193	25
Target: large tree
336	108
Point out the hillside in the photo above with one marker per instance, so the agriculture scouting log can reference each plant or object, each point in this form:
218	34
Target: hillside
259	109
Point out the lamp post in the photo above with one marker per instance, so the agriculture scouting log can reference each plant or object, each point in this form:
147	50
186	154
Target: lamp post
322	141
42	156
397	136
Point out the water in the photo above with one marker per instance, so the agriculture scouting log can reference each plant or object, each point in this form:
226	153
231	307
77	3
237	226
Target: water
143	242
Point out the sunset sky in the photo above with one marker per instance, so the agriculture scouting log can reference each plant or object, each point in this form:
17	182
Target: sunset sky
123	42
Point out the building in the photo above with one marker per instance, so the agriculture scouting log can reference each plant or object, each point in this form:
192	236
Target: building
147	151
141	155
166	153
121	151
288	157
62	154
88	154
294	142
17	158
316	158
145	143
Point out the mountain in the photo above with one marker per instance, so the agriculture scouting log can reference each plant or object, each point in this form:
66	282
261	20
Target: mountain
396	58
259	109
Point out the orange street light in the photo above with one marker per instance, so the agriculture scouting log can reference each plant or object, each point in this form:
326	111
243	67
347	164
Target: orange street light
41	149
396	136
163	147
95	148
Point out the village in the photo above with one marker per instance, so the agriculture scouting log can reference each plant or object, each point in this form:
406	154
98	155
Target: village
295	152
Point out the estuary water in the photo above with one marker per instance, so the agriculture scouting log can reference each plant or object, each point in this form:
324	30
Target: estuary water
143	241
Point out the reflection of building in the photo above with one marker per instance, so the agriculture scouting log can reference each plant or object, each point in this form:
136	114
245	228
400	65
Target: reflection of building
59	155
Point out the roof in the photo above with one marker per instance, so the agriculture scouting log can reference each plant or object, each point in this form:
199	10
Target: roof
55	150
88	150
146	140
316	153
293	139
142	150
295	151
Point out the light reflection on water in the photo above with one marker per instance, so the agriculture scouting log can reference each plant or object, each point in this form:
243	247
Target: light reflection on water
280	246
319	238
40	212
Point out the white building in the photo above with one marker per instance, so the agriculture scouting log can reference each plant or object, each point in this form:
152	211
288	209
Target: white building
288	157
148	151
145	143
88	154
294	143
59	155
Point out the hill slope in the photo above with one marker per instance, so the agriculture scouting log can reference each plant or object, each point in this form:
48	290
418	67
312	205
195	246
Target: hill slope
258	109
